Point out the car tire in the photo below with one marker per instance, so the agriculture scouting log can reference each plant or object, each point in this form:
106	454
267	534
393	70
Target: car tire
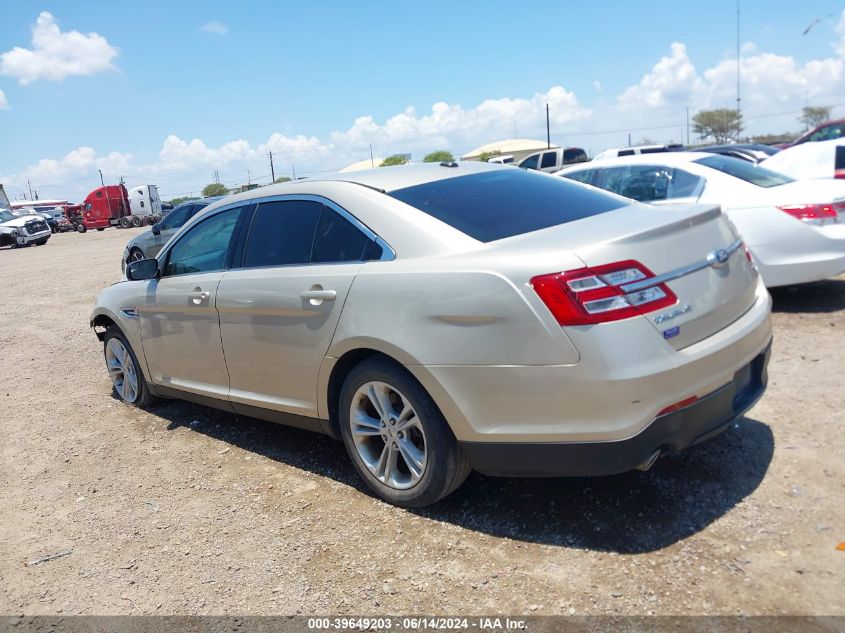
81	228
410	460
41	242
128	380
135	255
101	229
137	221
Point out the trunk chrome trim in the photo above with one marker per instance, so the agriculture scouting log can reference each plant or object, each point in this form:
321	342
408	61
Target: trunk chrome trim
716	259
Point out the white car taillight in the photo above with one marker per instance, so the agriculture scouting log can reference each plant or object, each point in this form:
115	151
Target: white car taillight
817	214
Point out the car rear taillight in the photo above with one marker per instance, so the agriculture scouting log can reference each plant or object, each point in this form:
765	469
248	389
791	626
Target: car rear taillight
818	214
594	295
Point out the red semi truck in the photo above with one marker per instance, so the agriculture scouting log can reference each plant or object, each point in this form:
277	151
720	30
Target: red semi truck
114	205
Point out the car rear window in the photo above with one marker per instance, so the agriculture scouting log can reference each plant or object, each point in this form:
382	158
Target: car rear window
498	204
744	170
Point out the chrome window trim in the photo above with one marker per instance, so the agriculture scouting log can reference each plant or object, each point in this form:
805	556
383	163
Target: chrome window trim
679	272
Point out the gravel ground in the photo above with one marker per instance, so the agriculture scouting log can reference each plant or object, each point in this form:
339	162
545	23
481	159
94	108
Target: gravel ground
187	510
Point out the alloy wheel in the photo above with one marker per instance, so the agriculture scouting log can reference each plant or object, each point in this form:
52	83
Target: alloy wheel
122	370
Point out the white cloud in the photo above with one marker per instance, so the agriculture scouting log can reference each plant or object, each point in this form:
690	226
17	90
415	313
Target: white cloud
597	85
4	103
216	27
653	107
55	54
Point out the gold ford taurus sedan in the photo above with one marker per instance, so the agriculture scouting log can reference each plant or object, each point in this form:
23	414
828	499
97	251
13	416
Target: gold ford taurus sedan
440	318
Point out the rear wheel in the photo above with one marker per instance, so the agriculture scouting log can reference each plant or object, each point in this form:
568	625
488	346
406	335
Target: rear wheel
398	440
125	373
125	222
136	221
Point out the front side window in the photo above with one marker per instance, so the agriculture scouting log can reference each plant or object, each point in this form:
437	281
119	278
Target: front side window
204	246
749	172
530	162
175	219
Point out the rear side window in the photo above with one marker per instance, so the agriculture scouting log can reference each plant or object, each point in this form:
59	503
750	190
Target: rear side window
338	240
744	170
494	205
282	233
585	175
549	160
626	152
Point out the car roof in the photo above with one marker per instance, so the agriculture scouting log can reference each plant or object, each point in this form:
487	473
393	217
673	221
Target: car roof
659	158
383	179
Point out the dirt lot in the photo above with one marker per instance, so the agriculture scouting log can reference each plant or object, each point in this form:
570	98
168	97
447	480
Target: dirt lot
186	510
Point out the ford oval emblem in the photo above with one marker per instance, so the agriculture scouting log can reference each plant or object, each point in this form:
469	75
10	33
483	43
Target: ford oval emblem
718	258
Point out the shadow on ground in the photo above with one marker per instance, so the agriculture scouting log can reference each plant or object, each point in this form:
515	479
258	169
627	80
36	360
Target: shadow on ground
630	513
819	297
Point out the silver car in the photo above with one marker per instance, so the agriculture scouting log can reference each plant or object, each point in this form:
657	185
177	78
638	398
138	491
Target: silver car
148	244
440	318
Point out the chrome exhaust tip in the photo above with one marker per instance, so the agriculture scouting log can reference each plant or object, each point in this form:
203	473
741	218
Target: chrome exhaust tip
649	462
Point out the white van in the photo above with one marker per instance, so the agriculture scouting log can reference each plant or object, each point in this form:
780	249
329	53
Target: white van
640	149
144	201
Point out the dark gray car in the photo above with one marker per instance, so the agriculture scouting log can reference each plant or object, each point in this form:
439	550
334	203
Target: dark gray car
149	243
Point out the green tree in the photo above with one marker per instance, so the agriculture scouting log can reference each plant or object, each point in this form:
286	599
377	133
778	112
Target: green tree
485	156
396	159
214	189
281	179
177	201
812	116
722	124
440	156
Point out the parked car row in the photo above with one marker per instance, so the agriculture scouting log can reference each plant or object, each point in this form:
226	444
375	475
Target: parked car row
18	229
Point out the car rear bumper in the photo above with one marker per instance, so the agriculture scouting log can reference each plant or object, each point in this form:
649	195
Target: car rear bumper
811	254
670	433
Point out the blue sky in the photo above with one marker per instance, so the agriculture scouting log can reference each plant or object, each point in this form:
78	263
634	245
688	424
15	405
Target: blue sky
306	71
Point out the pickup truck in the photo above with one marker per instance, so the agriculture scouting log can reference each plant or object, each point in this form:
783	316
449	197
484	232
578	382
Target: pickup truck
25	230
554	159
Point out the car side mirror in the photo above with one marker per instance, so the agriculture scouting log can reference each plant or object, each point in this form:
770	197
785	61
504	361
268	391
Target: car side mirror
156	229
142	269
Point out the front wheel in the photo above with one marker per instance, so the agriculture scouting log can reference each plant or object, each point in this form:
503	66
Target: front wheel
398	440
81	228
125	373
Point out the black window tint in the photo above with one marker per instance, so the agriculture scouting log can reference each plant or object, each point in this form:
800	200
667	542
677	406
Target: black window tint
653	150
626	152
549	159
338	240
282	233
574	155
493	205
530	162
203	248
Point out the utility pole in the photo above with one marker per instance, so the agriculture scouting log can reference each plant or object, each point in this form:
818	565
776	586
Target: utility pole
272	171
29	186
738	58
548	129
102	183
629	139
293	171
687	125
372	161
248	177
217	176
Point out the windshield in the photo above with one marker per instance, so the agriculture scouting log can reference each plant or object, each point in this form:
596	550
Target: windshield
503	203
744	170
5	216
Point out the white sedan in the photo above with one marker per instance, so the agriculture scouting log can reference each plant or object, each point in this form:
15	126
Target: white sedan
821	159
795	229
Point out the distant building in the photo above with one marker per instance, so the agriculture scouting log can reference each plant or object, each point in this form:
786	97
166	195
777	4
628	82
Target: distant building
363	164
519	148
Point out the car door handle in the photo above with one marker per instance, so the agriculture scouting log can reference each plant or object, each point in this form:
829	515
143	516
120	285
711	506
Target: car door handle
317	295
199	297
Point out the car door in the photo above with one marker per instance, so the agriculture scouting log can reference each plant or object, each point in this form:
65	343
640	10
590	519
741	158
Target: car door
180	328
279	310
